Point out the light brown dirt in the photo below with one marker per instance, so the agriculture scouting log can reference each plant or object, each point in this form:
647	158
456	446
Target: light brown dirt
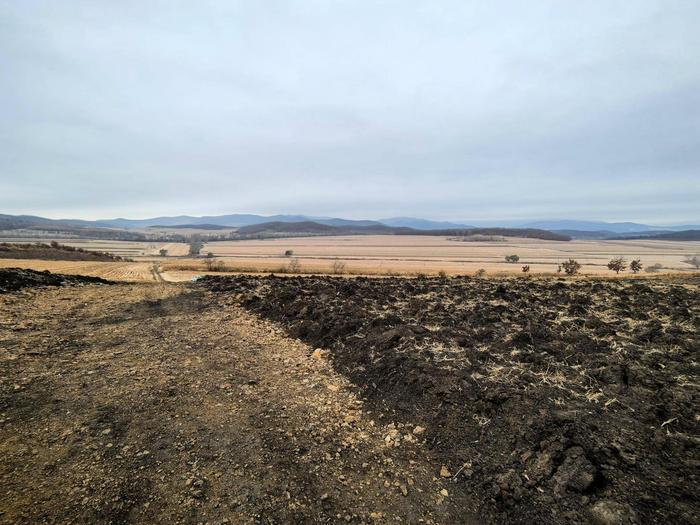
141	404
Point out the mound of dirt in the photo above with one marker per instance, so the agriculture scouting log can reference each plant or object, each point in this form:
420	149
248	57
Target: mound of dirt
548	400
13	279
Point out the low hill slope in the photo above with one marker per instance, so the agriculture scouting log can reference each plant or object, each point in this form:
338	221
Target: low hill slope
315	228
52	252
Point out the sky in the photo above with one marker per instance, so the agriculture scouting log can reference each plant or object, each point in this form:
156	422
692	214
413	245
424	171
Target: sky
453	110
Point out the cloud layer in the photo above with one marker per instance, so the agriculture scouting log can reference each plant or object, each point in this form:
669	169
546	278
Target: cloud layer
451	110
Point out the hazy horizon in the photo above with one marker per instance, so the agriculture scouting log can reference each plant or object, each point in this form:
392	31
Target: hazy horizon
472	221
498	112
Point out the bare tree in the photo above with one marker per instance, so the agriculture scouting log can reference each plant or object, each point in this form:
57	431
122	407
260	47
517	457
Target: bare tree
196	244
617	265
636	265
571	267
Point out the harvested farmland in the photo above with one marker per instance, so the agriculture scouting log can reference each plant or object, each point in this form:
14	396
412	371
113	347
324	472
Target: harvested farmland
548	400
52	252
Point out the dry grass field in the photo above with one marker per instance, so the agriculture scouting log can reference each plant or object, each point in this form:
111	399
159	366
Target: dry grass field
363	255
122	248
115	271
379	254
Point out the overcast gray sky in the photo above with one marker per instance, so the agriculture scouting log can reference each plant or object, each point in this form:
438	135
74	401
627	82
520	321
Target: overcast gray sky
448	109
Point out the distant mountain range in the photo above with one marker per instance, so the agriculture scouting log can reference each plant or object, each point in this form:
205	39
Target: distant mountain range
238	220
572	228
601	226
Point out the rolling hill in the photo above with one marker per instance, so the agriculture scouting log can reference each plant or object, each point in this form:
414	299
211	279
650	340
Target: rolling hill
315	228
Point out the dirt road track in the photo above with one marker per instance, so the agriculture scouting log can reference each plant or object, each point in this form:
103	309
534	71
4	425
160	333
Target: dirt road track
139	404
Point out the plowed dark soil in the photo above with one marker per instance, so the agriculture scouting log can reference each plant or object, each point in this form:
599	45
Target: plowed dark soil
13	279
546	400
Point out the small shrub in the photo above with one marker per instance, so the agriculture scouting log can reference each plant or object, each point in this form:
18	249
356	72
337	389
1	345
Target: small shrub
693	261
617	265
571	267
214	265
338	267
480	272
526	268
163	252
288	253
636	265
210	255
653	268
512	258
442	274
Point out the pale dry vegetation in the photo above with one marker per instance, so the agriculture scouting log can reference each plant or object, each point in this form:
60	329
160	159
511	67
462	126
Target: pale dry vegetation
410	255
386	256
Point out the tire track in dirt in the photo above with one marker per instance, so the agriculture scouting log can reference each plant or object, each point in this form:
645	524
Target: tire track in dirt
140	404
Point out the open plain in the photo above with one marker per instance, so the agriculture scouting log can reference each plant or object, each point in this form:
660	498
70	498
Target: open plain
407	254
364	255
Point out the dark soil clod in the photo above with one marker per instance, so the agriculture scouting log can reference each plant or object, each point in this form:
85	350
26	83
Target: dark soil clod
568	401
13	279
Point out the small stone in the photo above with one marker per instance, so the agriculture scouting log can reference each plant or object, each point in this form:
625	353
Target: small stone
404	489
418	430
444	472
444	492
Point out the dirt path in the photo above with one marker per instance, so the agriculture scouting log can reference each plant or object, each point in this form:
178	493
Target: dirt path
138	404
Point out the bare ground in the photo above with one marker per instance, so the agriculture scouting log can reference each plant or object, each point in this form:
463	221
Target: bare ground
144	403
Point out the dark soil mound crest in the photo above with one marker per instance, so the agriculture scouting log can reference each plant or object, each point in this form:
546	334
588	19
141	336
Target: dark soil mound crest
13	279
